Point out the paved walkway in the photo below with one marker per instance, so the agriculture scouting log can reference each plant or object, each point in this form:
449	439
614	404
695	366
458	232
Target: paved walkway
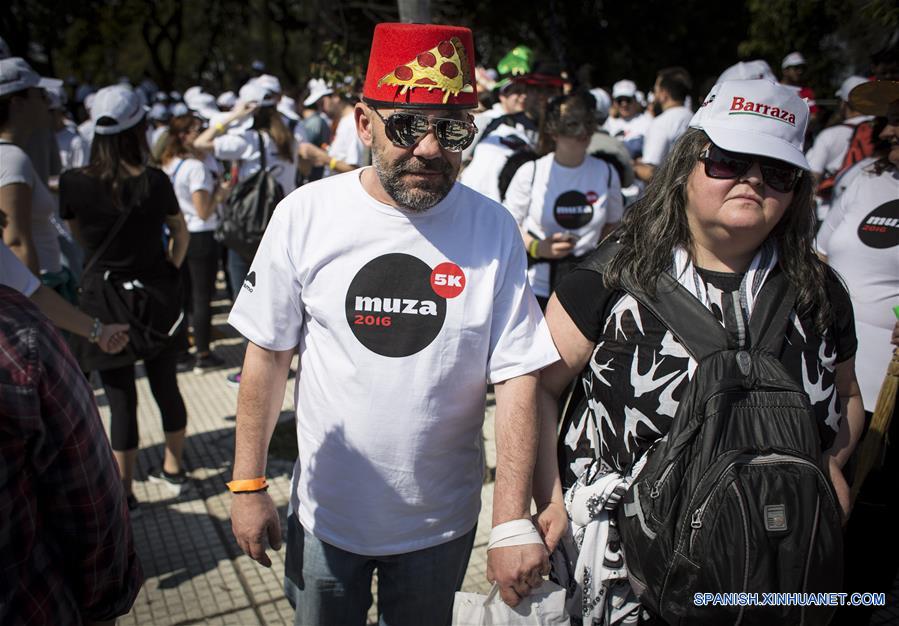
195	572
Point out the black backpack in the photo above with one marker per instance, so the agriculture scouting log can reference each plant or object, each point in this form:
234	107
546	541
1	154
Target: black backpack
736	497
248	209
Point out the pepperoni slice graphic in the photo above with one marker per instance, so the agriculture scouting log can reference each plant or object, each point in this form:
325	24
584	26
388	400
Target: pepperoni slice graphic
449	70
446	49
426	59
403	72
425	81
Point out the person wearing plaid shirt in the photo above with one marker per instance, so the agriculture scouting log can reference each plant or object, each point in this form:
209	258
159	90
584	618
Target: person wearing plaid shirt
66	550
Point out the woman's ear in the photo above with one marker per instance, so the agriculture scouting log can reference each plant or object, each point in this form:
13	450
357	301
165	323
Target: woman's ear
363	124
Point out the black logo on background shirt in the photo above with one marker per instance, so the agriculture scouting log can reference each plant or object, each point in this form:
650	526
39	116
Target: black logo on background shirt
391	306
249	283
573	210
880	229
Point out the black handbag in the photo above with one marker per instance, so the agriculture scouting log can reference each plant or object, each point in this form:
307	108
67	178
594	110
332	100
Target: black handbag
150	305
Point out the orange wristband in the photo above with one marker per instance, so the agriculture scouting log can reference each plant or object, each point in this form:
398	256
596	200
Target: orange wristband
252	484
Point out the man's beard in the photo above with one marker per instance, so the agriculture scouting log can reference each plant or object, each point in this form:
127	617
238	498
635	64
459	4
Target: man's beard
419	197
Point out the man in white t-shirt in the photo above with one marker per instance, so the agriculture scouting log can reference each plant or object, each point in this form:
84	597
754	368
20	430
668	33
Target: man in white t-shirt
630	124
671	90
405	295
827	153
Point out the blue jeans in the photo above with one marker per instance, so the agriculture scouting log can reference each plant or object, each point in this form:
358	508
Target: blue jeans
329	586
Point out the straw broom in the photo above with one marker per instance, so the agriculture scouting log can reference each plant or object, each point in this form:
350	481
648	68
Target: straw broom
872	448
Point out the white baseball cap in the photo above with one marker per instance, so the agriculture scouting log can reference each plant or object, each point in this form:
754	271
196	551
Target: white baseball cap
748	70
203	104
287	106
179	109
159	112
755	117
318	89
56	98
269	82
119	103
624	89
16	75
227	100
191	92
848	85
792	60
255	92
603	101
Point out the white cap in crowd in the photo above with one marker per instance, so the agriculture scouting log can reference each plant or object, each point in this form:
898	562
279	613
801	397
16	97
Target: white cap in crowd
201	103
792	60
120	104
255	92
191	92
624	89
603	102
748	70
227	100
159	112
16	75
287	106
318	89
179	109
755	117
848	85
641	98
56	98
175	96
269	82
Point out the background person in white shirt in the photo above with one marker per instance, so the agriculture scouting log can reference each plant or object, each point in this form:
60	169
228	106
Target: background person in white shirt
630	123
672	87
195	190
827	153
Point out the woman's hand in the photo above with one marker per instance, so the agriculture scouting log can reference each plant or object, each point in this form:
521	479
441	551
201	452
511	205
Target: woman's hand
113	338
551	521
556	246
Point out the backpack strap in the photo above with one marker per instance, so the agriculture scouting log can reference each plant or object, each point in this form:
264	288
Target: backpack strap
694	325
771	314
262	155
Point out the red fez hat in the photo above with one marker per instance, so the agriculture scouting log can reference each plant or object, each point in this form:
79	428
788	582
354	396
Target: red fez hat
428	66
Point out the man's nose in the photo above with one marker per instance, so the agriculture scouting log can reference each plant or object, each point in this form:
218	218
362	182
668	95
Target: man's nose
428	147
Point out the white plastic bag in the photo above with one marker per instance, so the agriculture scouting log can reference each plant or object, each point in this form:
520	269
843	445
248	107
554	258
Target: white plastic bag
545	606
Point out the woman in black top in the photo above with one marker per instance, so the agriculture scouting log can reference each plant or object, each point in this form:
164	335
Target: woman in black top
720	221
116	207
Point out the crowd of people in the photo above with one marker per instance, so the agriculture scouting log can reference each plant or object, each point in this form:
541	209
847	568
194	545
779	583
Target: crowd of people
418	234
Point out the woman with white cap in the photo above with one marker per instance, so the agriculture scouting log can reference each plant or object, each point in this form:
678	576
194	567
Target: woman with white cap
24	198
860	240
241	135
116	207
728	211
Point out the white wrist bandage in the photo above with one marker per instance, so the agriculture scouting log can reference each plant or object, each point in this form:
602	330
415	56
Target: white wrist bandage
518	532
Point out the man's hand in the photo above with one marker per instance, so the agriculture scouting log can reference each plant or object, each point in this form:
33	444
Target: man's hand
255	524
556	246
552	522
517	570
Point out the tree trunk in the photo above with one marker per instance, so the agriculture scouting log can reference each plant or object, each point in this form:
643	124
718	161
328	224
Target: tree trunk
415	11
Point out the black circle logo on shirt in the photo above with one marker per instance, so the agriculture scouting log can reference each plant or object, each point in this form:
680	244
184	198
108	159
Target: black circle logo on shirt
392	307
880	229
573	210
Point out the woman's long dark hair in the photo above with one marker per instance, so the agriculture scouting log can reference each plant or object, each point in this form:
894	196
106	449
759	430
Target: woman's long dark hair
657	224
269	120
109	153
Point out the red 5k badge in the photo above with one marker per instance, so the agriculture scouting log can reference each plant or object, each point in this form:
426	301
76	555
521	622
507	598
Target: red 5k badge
447	280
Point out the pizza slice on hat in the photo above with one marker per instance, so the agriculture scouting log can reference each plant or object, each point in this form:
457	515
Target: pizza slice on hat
442	67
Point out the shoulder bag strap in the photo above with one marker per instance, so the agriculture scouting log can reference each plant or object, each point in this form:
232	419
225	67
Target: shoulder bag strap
771	314
694	325
262	155
123	217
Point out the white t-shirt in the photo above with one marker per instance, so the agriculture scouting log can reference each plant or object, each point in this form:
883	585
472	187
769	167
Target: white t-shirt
629	132
490	156
243	145
86	130
72	148
861	240
579	200
16	167
831	145
481	121
663	131
401	321
14	274
346	146
192	175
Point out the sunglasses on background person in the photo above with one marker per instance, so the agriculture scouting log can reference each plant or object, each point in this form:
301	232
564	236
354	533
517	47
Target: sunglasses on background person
573	127
724	165
624	100
404	130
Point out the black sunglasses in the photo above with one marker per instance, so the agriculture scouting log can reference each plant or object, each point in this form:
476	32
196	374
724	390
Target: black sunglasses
722	164
404	130
623	100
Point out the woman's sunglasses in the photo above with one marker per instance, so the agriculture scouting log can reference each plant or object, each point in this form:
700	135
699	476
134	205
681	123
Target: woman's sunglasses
722	164
404	130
